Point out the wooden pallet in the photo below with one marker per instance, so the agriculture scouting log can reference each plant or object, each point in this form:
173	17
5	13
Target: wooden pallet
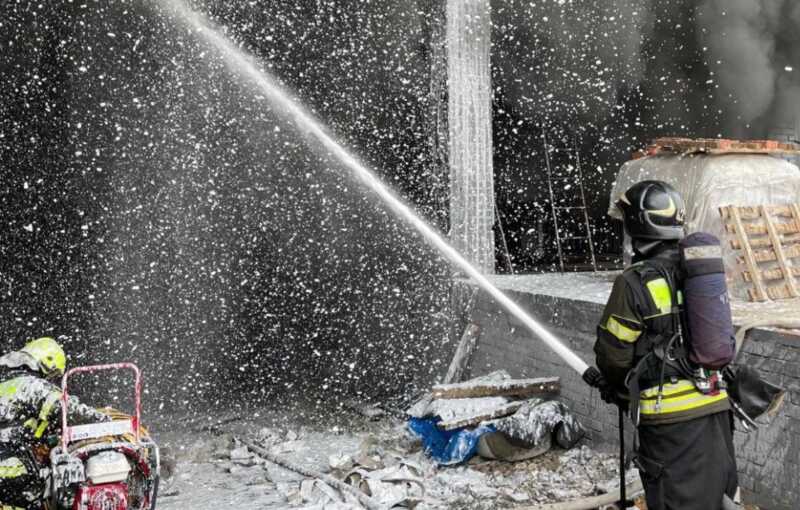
510	387
767	234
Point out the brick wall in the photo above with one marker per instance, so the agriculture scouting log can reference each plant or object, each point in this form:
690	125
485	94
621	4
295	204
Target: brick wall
769	458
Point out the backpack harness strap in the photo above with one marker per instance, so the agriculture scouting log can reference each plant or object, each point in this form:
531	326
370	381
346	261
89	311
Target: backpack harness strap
667	347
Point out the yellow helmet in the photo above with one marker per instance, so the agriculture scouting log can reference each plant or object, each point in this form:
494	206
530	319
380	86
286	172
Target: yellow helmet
48	354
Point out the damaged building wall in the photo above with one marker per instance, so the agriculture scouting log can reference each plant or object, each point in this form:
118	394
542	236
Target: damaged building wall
768	458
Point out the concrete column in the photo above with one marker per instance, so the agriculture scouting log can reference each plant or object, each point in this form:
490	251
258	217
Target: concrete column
470	130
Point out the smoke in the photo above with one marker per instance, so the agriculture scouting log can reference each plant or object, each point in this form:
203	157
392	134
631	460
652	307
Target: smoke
753	52
569	59
608	75
687	68
787	99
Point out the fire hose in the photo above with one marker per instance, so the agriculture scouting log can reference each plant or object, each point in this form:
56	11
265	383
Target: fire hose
365	500
588	503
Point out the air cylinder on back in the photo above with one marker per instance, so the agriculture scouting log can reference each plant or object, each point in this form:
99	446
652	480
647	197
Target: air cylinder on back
706	302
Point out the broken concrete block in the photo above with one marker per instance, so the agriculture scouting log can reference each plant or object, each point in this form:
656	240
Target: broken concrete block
340	462
267	436
241	453
370	462
518	497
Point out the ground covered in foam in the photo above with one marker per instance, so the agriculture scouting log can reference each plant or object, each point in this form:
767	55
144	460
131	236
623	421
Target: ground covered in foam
207	468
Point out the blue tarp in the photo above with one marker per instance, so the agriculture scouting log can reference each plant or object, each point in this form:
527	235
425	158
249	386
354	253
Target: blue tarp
447	447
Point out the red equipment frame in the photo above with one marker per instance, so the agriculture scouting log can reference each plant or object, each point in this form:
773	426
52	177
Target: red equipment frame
135	421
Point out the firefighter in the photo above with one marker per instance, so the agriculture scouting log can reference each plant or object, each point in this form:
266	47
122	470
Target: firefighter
29	411
684	451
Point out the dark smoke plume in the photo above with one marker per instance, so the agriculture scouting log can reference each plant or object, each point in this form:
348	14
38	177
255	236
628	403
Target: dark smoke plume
753	49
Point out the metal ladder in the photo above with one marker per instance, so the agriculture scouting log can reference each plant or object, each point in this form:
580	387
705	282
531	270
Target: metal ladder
575	178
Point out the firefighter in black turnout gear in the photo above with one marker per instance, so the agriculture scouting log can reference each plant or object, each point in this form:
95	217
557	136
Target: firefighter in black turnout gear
30	406
685	450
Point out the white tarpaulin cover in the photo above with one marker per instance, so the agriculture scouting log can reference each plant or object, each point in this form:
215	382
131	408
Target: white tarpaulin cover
708	182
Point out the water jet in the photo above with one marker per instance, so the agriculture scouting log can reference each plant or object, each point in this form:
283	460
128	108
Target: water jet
245	65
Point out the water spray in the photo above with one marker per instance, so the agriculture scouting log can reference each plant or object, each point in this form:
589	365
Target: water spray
246	65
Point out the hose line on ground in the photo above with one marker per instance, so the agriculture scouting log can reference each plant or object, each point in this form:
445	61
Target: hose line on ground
365	500
591	502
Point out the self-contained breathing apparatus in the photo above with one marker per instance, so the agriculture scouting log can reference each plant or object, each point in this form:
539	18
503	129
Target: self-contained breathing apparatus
663	356
698	344
694	337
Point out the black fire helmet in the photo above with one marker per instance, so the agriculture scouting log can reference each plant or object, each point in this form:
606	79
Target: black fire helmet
652	210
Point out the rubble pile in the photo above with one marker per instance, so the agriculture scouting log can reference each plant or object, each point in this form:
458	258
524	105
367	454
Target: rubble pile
493	416
384	461
377	461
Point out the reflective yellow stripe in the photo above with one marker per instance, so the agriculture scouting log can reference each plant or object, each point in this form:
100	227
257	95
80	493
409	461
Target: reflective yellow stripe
681	396
621	331
30	424
9	388
47	408
44	415
40	429
12	468
668	212
660	292
694	401
668	389
12	471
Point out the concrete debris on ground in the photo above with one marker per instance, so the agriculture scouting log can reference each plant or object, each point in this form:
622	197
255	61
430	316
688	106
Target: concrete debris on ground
370	411
382	459
367	458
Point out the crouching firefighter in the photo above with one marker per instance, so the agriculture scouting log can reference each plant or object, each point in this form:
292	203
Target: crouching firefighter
671	380
30	412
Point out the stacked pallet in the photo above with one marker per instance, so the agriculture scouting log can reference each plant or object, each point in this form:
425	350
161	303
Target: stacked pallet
470	403
767	238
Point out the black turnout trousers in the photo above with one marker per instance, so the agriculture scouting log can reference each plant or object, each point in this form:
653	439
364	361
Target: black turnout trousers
688	465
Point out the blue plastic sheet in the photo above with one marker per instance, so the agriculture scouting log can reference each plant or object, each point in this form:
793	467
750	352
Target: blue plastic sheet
447	447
